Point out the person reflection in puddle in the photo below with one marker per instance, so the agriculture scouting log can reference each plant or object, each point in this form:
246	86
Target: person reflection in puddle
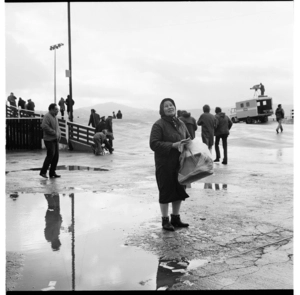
53	221
166	138
168	271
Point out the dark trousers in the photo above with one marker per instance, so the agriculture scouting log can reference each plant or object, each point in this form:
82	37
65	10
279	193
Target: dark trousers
224	143
62	112
51	158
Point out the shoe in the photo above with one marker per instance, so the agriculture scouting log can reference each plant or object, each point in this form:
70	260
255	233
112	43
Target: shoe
277	131
217	160
176	222
166	224
43	175
224	163
111	151
55	176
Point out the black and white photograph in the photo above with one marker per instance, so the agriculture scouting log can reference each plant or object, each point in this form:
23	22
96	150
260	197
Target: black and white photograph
149	145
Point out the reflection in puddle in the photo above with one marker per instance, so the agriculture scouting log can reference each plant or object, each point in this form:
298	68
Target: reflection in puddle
69	239
66	240
217	186
65	167
170	270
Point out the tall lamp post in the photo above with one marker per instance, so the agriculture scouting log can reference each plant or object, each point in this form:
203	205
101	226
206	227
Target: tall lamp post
54	47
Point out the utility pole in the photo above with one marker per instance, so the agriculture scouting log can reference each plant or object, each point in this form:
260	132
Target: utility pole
70	58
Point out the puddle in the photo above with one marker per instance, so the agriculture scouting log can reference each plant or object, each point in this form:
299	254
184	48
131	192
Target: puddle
217	186
170	270
65	167
77	241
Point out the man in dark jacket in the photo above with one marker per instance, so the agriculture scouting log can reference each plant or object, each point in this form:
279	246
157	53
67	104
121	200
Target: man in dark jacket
190	123
101	125
70	102
12	100
119	115
21	103
222	131
208	123
94	118
279	116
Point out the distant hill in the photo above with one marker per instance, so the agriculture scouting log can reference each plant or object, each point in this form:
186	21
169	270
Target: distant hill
82	115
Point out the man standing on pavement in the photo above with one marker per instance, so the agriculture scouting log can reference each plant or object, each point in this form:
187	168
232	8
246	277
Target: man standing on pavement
208	123
279	116
51	136
222	131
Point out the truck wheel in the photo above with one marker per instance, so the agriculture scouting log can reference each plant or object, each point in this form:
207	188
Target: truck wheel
248	120
233	120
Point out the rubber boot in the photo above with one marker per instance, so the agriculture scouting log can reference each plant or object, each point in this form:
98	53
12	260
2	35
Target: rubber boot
166	224
176	222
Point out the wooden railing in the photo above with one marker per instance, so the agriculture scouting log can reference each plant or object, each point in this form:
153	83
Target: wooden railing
80	133
22	133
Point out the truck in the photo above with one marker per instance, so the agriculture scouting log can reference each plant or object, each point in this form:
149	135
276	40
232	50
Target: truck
252	110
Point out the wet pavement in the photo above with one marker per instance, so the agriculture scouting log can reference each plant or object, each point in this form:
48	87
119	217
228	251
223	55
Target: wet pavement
99	226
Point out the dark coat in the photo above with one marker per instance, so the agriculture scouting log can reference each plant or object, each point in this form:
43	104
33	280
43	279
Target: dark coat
94	119
208	123
30	105
279	113
108	124
163	135
101	126
22	103
224	124
69	102
190	123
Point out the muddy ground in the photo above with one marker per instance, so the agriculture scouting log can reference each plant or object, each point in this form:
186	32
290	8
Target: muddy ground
241	217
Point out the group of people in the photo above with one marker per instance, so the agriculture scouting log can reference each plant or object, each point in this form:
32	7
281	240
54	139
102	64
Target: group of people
21	103
167	139
103	132
69	102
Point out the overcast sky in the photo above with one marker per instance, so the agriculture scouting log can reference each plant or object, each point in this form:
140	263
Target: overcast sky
137	53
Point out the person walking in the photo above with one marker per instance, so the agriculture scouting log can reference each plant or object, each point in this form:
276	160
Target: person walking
70	102
208	123
94	118
62	107
12	100
222	131
114	115
190	123
51	136
165	140
119	115
279	113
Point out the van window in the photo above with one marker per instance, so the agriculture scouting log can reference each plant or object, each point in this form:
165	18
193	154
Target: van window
258	103
264	103
242	105
247	104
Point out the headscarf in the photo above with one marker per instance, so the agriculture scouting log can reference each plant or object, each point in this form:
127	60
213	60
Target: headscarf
172	120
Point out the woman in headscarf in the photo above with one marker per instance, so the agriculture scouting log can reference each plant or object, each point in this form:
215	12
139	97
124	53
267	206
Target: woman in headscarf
166	138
